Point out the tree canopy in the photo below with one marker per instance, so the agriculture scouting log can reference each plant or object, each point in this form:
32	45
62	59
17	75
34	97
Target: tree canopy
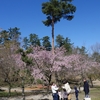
55	10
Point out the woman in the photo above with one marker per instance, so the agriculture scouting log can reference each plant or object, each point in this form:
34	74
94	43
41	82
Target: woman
68	89
54	89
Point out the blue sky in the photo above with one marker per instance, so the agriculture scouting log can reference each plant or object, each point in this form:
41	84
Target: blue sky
83	30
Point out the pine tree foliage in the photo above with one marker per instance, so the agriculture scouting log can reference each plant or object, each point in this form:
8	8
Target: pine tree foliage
55	10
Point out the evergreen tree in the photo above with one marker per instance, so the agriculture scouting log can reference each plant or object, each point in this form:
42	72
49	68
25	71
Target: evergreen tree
25	43
46	43
59	40
55	10
14	34
4	36
34	40
68	45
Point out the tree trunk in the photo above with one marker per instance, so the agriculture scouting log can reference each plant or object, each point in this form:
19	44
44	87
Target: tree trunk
91	82
53	36
23	89
9	89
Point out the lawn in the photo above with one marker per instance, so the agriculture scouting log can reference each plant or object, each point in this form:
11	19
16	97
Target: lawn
94	94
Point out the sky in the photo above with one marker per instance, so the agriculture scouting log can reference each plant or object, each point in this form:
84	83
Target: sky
82	30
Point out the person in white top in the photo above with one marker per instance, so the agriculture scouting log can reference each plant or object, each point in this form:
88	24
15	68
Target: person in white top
54	89
60	94
68	89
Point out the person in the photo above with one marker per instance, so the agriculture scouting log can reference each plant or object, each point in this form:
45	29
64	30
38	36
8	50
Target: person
65	95
68	89
54	89
86	88
76	93
60	94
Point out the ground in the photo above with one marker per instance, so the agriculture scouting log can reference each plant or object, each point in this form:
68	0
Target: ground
94	93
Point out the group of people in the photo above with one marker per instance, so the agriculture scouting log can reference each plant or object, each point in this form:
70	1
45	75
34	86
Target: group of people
61	95
65	92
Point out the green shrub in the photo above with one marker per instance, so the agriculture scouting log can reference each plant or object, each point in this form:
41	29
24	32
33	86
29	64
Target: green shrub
39	81
6	94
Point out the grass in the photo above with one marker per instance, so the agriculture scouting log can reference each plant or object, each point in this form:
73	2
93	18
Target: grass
5	94
94	94
15	94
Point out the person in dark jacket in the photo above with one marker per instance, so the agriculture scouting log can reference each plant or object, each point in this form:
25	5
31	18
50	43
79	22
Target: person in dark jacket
76	93
86	88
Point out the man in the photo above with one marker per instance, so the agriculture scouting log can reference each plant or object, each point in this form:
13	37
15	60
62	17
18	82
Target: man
86	88
54	89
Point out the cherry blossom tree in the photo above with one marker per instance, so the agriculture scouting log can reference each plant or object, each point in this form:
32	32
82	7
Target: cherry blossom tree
44	63
81	65
21	66
8	71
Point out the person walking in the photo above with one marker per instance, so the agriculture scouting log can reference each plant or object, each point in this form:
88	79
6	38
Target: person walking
76	93
54	90
86	88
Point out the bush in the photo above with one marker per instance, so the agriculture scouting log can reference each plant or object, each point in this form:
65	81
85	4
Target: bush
39	81
6	94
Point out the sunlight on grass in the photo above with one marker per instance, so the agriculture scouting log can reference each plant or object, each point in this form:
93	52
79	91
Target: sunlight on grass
94	94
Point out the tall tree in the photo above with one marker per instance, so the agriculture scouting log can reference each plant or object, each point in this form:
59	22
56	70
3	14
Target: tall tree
25	43
4	36
34	40
81	50
96	52
68	45
55	10
46	43
14	34
8	71
59	40
66	42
